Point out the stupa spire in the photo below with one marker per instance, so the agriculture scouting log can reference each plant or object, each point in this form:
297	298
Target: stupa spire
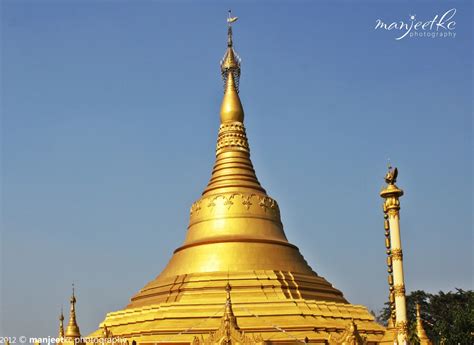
235	226
229	317
231	109
231	61
233	169
72	330
61	325
420	331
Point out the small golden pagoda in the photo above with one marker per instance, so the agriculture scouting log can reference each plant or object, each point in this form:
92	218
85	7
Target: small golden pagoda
61	325
72	335
72	329
420	330
236	279
229	331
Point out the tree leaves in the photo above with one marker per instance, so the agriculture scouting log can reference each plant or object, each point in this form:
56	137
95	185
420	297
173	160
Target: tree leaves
448	318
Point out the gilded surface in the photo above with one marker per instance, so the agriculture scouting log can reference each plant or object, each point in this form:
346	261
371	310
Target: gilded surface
232	136
228	332
397	254
402	327
391	207
235	204
72	329
399	290
230	64
235	236
420	331
61	326
350	336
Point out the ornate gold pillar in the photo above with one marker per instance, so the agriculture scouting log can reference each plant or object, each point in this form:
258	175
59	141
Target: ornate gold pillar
391	193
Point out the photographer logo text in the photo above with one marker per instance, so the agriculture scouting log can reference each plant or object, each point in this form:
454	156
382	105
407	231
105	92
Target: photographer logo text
440	26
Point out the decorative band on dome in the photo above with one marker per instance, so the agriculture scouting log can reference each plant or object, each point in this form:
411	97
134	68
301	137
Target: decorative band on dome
232	136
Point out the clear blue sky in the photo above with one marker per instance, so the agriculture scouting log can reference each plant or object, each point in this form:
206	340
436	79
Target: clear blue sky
110	116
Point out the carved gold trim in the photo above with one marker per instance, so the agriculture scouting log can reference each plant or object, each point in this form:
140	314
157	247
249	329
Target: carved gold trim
402	327
391	206
397	254
350	336
399	290
232	135
234	204
229	331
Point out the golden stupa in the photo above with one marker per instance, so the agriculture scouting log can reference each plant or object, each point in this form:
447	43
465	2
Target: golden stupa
420	330
236	279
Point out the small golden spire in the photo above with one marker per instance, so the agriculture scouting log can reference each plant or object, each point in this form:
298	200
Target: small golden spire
231	109
61	324
420	331
72	330
350	335
228	332
229	318
230	60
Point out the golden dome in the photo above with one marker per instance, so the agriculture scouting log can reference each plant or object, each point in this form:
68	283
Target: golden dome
235	236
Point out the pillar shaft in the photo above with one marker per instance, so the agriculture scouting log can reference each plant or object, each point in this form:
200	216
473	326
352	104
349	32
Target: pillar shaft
391	193
398	277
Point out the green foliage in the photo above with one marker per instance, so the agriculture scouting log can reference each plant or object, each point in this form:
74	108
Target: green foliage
448	318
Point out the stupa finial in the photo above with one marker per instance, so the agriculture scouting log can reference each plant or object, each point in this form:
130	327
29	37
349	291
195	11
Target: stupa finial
231	109
229	317
230	20
72	330
61	324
